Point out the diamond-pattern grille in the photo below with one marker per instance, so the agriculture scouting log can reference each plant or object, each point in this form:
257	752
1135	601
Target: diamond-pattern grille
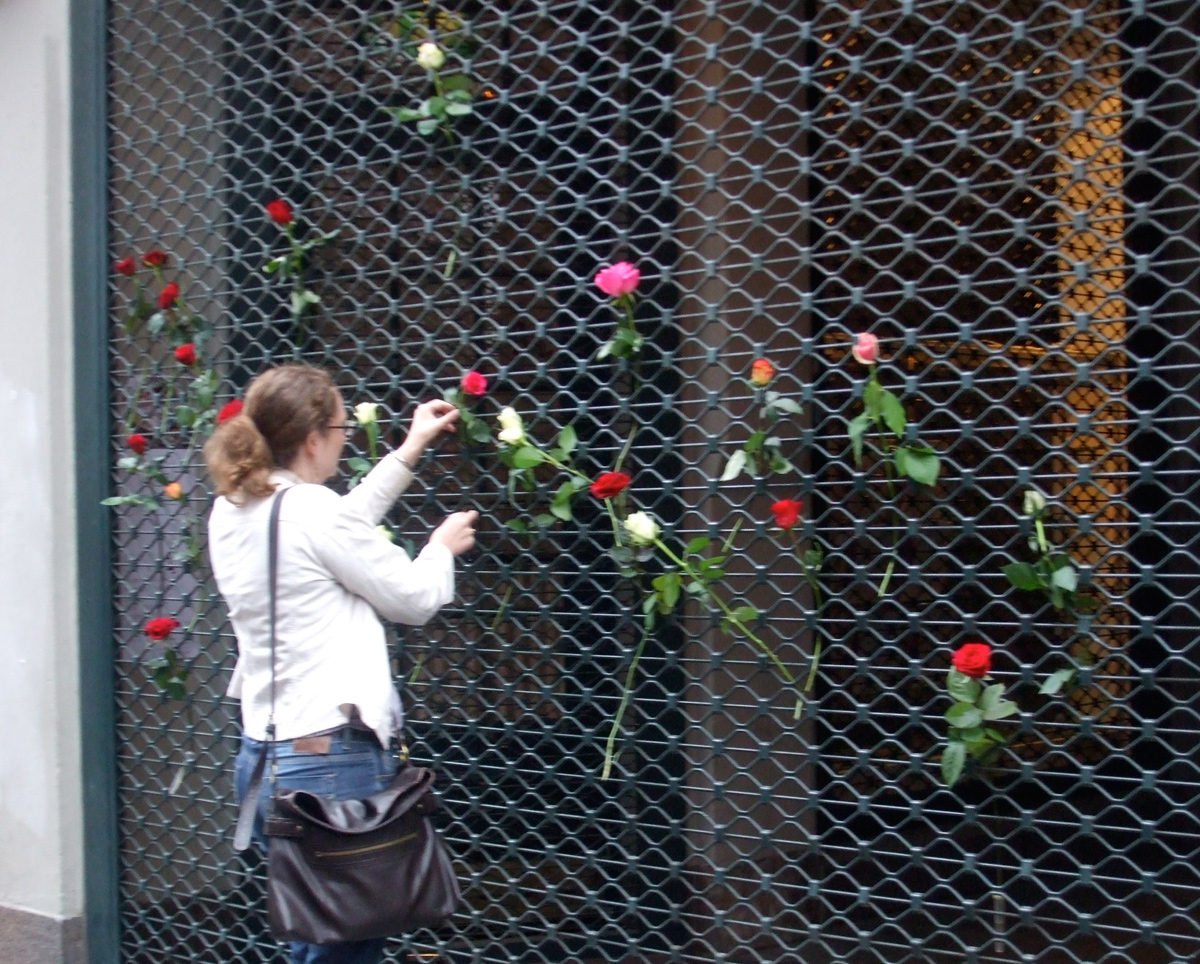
1005	193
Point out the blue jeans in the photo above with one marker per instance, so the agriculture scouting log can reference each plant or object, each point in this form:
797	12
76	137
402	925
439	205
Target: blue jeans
355	766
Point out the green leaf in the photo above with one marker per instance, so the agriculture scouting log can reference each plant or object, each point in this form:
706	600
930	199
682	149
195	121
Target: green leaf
275	264
991	697
185	416
697	545
359	465
517	525
858	428
993	704
605	350
893	413
873	399
954	758
567	440
668	587
1022	575
300	301
745	614
477	431
142	500
964	716
560	505
456	84
919	464
963	688
791	406
526	457
456	109
755	442
428	125
1065	577
735	465
1057	680
1001	711
543	521
405	114
696	588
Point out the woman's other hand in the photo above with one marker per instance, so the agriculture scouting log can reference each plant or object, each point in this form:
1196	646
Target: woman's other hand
457	533
430	420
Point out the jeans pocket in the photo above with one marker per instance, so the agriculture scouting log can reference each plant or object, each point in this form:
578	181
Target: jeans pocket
361	774
316	774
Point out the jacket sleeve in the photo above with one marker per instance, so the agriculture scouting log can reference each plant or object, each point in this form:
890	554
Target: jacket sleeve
378	490
366	563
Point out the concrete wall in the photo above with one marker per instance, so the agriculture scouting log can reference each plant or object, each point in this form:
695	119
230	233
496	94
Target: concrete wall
40	787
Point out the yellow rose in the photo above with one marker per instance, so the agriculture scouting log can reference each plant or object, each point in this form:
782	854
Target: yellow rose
173	490
430	56
366	413
642	529
512	431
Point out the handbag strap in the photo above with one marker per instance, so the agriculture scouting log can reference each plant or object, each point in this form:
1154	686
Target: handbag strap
249	809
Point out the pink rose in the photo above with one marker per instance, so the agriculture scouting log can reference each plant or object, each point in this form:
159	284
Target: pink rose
474	384
866	349
619	280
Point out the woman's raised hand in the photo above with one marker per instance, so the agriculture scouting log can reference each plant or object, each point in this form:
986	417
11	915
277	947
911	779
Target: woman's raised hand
430	420
457	533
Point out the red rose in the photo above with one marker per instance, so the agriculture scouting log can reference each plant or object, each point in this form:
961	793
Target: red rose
787	512
155	259
161	627
138	443
186	354
280	212
168	296
126	266
973	659
761	372
229	410
609	484
474	384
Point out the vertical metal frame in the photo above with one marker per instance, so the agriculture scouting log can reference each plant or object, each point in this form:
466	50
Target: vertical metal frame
89	244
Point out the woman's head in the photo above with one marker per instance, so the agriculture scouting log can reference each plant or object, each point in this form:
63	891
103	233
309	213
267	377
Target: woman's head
284	406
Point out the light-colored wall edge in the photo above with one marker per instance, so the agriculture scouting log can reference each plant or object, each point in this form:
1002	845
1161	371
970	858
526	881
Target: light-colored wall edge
27	937
40	796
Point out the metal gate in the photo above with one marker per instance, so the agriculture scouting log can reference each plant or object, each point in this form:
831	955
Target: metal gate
1005	193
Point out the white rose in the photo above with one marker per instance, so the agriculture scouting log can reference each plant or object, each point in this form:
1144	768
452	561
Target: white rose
642	529
1034	503
366	413
430	56
512	431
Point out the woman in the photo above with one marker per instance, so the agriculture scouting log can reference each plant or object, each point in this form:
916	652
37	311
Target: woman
336	712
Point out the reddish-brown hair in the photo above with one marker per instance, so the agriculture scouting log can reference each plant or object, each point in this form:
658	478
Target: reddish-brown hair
283	405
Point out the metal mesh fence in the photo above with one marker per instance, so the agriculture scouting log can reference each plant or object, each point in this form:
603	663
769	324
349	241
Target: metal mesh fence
1003	192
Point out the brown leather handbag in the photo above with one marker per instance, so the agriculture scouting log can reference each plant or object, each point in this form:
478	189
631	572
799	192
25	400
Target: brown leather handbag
348	870
341	870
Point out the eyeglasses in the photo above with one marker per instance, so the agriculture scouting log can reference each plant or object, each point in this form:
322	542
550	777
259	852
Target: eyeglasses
346	427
